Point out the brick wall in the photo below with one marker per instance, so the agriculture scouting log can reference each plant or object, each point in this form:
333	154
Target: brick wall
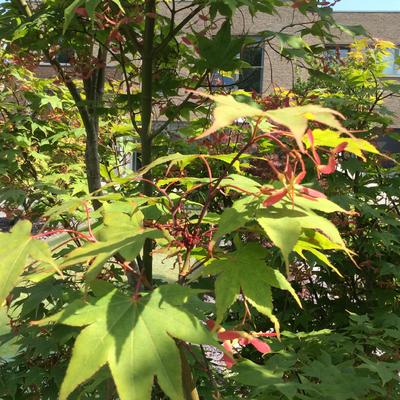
280	72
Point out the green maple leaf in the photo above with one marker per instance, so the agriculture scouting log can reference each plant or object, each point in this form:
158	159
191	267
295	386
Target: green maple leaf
297	119
284	233
136	338
121	233
16	248
244	271
220	52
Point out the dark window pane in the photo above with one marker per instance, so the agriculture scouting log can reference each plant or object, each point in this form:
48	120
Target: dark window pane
252	55
64	56
250	79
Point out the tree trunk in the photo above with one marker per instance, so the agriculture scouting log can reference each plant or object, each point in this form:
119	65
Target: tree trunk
90	119
94	89
146	114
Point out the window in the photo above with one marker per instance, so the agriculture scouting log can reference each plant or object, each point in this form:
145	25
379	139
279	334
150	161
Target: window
337	52
63	56
248	78
392	68
388	143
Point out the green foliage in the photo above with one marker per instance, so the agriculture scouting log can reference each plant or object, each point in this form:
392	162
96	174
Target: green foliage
41	140
121	233
123	332
219	53
244	272
178	222
328	365
24	249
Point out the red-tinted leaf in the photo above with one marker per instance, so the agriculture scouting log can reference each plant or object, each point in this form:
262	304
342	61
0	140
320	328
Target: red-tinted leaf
138	19
275	197
329	168
229	362
187	41
312	193
267	334
81	11
210	324
317	160
289	173
339	148
310	137
126	20
267	190
299	3
261	346
229	335
115	35
300	177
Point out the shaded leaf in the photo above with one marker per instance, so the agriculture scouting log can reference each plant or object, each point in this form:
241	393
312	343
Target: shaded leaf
220	52
121	233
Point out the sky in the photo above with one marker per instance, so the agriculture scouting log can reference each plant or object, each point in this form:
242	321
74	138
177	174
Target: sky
368	5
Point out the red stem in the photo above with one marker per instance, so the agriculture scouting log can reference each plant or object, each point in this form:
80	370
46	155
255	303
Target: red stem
56	231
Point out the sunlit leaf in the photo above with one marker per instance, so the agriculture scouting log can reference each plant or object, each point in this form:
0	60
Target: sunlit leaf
244	271
136	338
329	138
16	249
228	110
297	119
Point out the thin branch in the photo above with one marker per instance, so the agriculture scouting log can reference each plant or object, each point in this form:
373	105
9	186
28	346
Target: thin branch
132	113
173	32
179	107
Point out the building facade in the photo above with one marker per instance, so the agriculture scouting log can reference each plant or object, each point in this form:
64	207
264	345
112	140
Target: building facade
268	69
274	71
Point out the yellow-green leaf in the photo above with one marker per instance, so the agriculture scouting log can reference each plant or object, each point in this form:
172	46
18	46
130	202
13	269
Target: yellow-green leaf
136	338
245	272
228	110
329	138
16	249
297	119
